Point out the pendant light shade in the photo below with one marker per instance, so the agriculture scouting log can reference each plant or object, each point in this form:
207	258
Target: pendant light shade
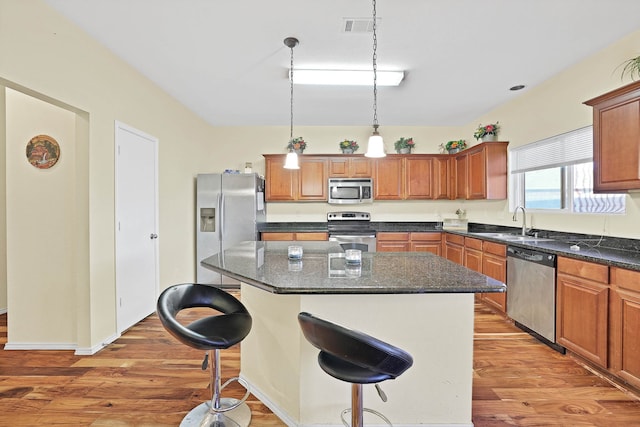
291	162
375	147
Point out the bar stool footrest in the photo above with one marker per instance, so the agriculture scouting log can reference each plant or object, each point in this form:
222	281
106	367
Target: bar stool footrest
371	411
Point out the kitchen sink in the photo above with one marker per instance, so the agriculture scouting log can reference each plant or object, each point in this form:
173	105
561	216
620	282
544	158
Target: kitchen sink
512	237
498	235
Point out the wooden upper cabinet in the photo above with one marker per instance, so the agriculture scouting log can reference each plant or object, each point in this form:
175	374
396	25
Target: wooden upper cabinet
350	167
476	171
388	182
312	178
441	175
616	139
419	177
280	184
307	183
401	177
460	174
481	172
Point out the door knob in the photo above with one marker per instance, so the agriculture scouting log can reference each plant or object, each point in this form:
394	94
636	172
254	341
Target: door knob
153	236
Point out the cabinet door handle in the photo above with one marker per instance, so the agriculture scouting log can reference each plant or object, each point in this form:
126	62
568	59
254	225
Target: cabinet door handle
153	236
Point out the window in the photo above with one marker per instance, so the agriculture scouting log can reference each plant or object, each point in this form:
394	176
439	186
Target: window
556	175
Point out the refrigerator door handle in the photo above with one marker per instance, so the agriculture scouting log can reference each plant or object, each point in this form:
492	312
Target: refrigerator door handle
221	214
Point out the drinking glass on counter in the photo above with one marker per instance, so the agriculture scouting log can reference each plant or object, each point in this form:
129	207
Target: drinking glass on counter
294	252
353	256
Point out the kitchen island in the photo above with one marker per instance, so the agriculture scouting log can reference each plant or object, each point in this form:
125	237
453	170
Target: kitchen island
417	301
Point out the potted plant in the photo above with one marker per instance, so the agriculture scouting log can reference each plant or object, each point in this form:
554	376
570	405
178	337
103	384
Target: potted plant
297	144
487	133
631	67
347	146
455	146
404	145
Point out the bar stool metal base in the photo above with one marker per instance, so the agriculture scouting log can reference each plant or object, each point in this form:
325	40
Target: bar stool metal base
201	416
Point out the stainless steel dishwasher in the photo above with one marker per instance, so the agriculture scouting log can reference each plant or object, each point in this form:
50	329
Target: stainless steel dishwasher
531	293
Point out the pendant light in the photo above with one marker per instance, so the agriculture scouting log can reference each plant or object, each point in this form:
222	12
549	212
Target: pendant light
291	161
375	147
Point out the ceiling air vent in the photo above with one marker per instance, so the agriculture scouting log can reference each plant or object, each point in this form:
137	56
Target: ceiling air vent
358	25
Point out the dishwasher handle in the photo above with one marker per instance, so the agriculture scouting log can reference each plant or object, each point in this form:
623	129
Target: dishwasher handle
532	256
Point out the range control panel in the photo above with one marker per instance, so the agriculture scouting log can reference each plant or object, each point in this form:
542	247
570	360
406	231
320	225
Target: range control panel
348	216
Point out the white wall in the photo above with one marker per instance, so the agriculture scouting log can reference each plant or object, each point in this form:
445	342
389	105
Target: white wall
3	206
56	62
41	214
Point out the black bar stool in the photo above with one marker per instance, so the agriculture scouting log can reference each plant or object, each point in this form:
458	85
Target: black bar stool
226	328
356	358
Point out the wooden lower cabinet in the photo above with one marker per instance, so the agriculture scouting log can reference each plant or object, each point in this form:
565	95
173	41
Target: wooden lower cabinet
393	242
279	236
582	309
426	242
409	242
454	248
624	325
494	265
473	254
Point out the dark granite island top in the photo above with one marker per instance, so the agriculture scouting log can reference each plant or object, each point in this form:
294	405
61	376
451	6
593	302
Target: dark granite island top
323	270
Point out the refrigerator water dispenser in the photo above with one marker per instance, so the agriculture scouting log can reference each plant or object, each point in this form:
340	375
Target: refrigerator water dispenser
208	219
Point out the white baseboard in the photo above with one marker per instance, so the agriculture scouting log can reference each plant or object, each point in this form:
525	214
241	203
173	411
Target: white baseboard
291	423
39	346
88	351
80	351
3	311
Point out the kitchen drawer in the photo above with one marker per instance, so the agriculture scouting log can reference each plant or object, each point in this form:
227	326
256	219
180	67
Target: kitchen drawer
454	238
470	242
625	279
494	248
588	270
393	236
428	236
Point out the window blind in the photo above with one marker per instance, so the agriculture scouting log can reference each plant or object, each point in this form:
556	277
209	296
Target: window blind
565	149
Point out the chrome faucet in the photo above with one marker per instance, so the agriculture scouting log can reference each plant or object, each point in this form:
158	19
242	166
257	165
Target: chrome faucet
524	219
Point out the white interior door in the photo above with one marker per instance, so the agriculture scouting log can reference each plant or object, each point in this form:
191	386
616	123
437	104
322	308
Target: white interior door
136	225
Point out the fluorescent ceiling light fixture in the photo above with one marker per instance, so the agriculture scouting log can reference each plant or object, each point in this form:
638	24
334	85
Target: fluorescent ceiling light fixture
347	77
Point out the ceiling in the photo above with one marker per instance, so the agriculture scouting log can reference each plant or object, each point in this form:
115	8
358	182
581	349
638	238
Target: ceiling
226	60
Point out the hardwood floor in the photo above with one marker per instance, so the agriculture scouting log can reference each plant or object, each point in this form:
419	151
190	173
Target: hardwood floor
147	378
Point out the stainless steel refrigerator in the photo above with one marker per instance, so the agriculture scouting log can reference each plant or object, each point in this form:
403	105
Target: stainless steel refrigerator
229	208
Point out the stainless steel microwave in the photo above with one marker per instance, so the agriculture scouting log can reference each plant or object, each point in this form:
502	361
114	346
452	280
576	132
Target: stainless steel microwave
350	190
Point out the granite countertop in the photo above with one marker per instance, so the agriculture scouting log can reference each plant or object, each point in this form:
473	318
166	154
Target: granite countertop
323	271
611	251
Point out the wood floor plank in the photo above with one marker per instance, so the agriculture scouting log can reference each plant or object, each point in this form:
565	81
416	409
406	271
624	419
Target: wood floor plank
147	378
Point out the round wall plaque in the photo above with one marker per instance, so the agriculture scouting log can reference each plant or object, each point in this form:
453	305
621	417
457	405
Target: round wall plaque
43	151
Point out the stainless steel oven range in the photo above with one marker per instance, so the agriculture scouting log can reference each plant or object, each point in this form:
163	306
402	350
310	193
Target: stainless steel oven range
352	230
